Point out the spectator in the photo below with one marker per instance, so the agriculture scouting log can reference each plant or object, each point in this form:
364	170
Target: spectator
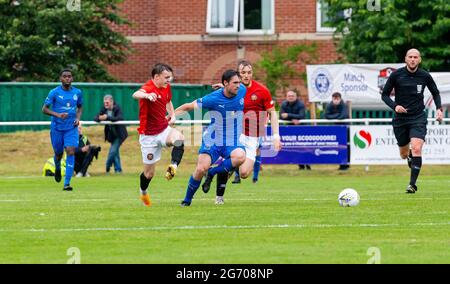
114	133
293	109
337	109
84	154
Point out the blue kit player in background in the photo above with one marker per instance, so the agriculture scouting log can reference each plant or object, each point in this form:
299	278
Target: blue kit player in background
66	102
221	137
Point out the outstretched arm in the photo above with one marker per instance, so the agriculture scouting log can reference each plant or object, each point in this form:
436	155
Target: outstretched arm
186	107
141	94
217	86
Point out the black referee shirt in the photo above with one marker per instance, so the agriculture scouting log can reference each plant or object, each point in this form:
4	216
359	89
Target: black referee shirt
409	88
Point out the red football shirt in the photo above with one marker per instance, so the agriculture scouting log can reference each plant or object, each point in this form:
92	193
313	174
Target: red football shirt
256	102
152	115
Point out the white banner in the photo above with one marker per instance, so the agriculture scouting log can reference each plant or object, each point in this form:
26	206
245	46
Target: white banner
362	83
376	145
442	80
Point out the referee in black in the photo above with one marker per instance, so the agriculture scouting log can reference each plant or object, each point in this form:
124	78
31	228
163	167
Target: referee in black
410	120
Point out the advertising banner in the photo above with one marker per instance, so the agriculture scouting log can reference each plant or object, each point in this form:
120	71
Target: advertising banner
308	145
376	145
362	84
359	83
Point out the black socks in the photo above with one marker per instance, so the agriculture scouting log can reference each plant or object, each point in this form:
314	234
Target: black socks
416	164
222	179
177	152
144	182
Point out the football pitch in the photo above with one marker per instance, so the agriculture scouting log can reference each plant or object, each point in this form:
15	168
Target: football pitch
284	218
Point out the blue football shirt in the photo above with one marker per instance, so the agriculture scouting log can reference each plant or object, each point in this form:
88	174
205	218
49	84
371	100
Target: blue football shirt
64	101
226	117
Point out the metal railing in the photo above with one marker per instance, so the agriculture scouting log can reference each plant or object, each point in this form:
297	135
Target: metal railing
365	121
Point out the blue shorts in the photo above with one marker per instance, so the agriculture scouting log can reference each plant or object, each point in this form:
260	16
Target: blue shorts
63	139
219	151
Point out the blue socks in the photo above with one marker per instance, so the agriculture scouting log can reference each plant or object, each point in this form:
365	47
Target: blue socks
70	162
256	167
193	185
225	166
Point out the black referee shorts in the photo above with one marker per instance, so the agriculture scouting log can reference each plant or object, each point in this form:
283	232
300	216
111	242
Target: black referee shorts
404	130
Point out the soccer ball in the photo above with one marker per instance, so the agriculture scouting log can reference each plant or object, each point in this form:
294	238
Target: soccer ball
348	198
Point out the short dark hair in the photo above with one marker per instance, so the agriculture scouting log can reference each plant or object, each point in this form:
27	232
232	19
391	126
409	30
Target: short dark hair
227	75
336	94
159	68
244	63
65	70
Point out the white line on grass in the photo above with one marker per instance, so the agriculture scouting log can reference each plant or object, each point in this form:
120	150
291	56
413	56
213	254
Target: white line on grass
225	227
210	199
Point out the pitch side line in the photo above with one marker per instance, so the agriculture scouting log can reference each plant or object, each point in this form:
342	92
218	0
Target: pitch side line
165	201
276	226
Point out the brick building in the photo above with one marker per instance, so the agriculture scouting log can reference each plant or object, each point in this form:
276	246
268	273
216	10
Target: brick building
202	38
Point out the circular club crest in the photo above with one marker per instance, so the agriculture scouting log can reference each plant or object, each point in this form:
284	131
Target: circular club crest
254	97
75	97
150	156
322	83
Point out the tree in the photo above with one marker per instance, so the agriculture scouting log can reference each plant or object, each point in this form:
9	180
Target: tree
278	65
39	38
381	31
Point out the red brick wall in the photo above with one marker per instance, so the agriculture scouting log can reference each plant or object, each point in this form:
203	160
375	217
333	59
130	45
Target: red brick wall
156	17
182	16
204	61
137	66
141	14
295	16
153	17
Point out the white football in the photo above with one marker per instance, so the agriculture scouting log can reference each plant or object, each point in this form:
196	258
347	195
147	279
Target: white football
348	198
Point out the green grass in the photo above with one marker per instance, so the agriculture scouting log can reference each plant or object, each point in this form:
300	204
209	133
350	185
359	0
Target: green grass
289	216
292	218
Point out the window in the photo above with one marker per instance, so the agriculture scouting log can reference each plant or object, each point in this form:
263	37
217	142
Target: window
252	17
322	20
322	24
222	15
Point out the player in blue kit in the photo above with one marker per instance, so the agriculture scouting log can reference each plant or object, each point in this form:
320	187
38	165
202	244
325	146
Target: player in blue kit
221	137
67	105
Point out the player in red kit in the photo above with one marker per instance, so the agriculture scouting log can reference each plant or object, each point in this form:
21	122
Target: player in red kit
258	104
154	131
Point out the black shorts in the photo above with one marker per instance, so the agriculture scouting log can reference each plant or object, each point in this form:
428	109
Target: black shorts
404	130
